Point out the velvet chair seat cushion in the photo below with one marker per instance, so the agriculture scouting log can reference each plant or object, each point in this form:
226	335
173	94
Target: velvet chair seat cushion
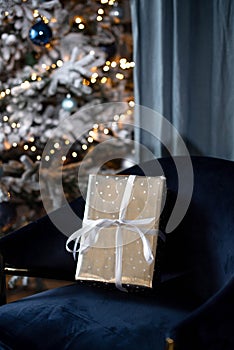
81	317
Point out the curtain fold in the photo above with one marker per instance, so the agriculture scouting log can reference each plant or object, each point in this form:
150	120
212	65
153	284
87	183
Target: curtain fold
184	55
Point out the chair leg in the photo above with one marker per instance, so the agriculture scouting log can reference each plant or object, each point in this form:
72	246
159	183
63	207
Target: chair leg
2	282
170	344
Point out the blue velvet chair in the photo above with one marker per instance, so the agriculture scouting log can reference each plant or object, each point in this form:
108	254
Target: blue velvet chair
191	309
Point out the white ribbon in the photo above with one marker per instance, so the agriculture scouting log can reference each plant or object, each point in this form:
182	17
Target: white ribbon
89	233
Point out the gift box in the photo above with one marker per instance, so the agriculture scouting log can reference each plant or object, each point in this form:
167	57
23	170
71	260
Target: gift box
118	240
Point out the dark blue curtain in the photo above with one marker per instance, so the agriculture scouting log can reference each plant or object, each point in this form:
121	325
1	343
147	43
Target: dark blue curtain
184	54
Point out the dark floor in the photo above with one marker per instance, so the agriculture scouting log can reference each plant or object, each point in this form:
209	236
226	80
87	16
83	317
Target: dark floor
34	286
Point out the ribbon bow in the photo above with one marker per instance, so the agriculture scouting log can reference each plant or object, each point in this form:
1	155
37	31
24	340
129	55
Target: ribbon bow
89	234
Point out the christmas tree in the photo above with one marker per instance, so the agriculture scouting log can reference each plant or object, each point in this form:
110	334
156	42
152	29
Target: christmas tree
57	58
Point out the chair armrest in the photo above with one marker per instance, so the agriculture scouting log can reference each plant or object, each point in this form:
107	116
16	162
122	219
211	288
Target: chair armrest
40	247
210	326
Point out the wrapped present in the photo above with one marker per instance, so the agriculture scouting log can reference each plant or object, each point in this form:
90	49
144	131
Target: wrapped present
118	240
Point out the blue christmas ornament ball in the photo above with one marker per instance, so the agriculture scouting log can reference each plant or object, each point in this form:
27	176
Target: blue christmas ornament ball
40	33
69	104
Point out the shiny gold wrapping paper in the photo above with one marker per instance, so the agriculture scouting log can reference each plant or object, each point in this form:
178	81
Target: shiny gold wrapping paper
104	197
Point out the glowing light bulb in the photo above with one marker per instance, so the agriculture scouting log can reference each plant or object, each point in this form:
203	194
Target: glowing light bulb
131	104
78	20
59	63
119	76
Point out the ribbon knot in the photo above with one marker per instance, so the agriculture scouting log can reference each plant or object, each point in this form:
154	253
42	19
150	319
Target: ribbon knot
88	234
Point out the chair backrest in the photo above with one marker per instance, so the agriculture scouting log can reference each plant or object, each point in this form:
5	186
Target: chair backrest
202	244
204	240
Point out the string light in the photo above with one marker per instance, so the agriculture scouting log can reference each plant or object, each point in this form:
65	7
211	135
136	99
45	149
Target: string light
33	76
93	80
38	157
47	158
74	154
25	147
78	20
95	126
59	63
14	144
113	64
106	131
90	139
31	139
25	85
35	13
13	125
131	104
81	26
99	18
85	82
64	158
33	148
106	68
116	117
95	75
66	142
8	91
84	147
100	11
45	19
104	80
52	151
119	76
56	145
5	118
